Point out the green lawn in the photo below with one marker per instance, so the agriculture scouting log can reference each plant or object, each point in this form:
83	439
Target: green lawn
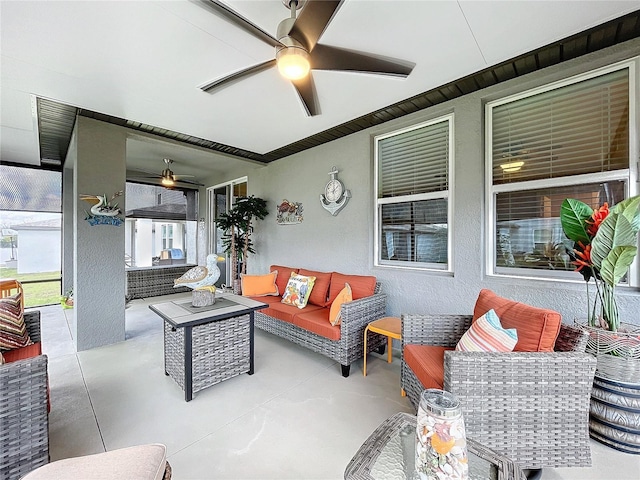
36	294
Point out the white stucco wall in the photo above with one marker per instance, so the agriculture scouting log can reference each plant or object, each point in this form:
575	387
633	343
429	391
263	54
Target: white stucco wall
345	243
40	251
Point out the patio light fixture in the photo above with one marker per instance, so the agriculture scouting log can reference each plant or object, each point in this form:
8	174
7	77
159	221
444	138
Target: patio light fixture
293	62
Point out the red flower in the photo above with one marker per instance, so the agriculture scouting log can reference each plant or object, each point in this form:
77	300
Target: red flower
583	257
597	217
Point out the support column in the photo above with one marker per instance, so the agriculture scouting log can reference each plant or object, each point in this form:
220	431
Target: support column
99	268
67	223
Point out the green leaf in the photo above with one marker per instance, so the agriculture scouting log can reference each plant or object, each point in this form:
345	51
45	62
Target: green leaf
573	214
614	231
617	263
630	208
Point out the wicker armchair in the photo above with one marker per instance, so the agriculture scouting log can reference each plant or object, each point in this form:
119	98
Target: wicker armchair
531	407
24	424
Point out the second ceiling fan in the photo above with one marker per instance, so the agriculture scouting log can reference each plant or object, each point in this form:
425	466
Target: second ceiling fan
298	50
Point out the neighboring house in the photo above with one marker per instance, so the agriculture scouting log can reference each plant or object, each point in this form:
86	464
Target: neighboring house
39	246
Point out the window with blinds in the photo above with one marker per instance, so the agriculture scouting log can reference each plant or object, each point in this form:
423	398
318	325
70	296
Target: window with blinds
412	191
566	141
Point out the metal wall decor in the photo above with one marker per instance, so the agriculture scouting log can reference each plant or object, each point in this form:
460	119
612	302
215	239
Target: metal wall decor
103	211
335	196
289	213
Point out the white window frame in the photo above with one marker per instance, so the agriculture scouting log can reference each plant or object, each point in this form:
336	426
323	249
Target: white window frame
446	194
630	175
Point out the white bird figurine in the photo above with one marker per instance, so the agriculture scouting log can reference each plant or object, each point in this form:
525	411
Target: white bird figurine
102	206
200	277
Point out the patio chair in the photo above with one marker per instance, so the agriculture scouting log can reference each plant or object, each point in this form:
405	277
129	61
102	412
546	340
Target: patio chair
24	422
532	407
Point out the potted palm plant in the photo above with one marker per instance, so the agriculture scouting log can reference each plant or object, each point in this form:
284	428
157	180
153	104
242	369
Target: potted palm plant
237	224
605	245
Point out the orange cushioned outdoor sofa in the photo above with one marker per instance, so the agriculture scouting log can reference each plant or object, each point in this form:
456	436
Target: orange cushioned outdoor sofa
310	325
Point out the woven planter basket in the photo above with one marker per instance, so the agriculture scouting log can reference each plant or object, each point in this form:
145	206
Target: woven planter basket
614	411
618	353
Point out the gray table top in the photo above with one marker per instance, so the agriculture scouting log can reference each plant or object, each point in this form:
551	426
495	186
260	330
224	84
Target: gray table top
178	313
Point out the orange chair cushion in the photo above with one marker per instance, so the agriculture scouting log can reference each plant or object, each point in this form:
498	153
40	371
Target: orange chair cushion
317	321
21	353
427	363
537	327
284	273
320	287
260	285
361	285
285	312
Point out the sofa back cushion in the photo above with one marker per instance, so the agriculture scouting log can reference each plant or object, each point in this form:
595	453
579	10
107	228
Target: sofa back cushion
361	285
320	287
537	327
284	274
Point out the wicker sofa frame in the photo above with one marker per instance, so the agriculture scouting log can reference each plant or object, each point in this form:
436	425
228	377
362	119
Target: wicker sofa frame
356	315
24	422
532	407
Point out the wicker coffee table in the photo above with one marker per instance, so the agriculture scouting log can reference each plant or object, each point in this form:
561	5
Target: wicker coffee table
389	453
206	345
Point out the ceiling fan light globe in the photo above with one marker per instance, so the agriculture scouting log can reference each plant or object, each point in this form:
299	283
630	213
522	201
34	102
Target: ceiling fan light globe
293	62
167	181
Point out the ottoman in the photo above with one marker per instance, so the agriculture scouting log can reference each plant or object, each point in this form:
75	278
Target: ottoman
144	462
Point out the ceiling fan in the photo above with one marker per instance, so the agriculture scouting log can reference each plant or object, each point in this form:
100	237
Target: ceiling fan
167	177
298	50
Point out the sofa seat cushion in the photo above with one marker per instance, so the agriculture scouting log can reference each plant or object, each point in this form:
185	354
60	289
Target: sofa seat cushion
287	313
284	274
143	462
320	290
537	327
21	353
427	363
361	285
268	299
317	321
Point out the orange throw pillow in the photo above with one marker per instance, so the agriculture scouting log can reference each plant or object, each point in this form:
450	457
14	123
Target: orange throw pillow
335	316
260	285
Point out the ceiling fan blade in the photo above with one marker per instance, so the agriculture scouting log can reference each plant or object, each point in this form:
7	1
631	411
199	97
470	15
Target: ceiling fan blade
190	182
324	57
238	20
313	20
228	79
307	93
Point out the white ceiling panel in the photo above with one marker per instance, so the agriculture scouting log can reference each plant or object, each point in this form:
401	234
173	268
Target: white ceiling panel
143	61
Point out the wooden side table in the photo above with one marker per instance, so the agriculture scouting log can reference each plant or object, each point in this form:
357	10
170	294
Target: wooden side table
388	326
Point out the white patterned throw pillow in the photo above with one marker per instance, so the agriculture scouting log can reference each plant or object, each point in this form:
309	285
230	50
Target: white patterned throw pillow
298	289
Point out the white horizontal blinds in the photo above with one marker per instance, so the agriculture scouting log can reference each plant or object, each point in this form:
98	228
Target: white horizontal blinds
528	229
415	231
545	202
576	129
414	162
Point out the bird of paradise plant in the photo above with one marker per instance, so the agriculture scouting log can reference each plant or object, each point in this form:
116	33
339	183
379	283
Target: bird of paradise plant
605	245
